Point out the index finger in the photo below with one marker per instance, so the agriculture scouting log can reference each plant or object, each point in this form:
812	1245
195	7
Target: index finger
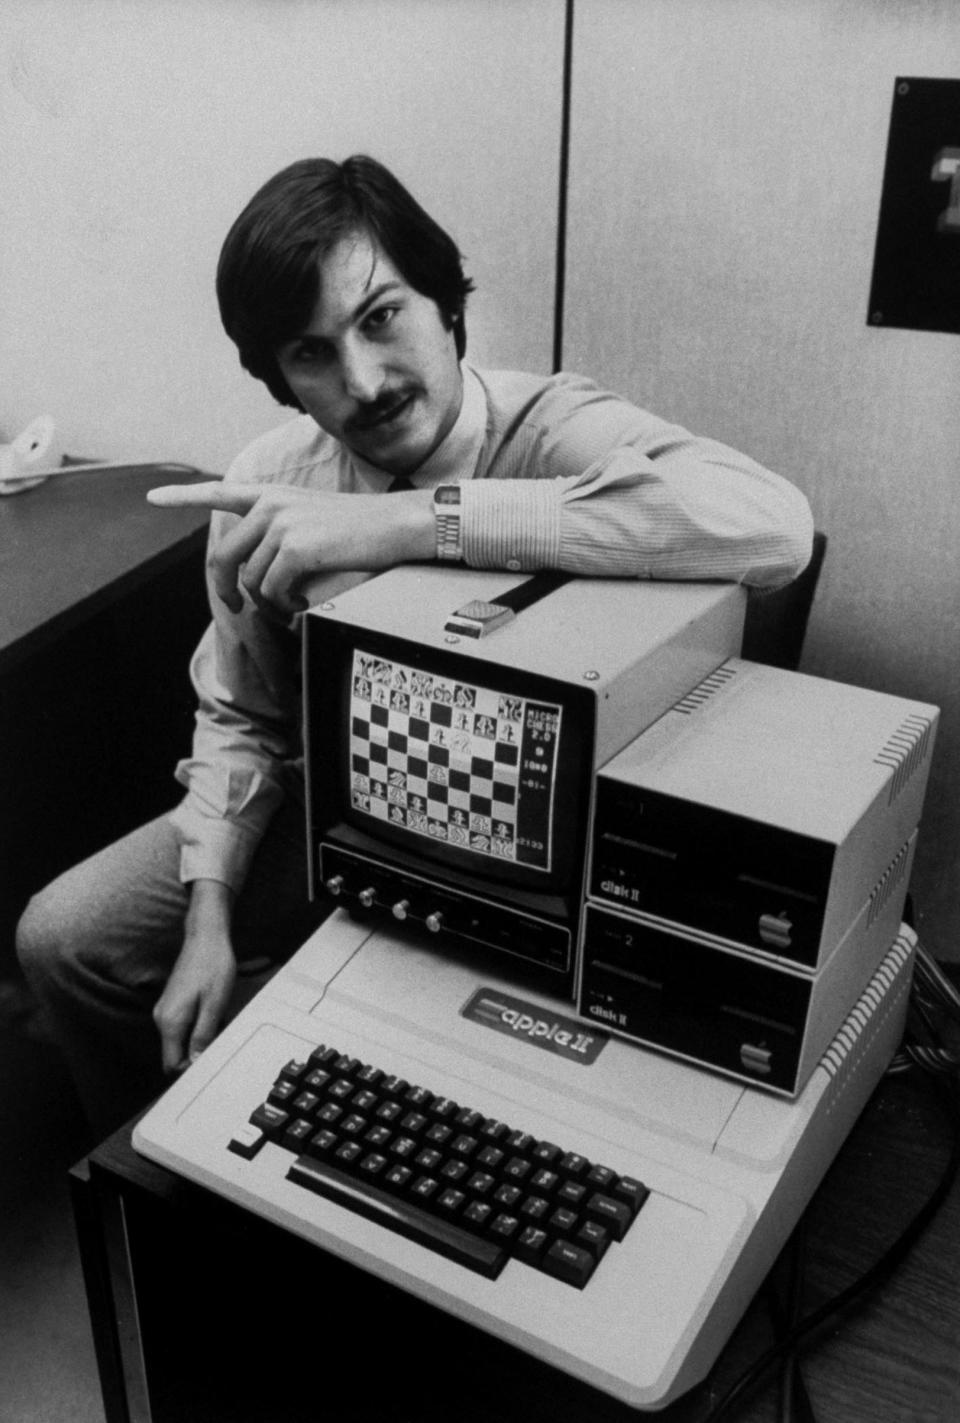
213	494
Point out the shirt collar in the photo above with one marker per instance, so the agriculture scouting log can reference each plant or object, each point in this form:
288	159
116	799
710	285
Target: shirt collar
455	458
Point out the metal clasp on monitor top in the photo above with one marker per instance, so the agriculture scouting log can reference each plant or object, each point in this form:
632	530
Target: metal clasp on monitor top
477	618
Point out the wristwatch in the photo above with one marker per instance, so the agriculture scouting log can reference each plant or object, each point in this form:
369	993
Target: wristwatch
446	511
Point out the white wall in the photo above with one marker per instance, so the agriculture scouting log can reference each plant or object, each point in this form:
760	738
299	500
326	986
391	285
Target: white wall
133	131
725	181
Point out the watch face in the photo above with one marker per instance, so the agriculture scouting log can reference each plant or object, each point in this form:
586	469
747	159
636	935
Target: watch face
447	494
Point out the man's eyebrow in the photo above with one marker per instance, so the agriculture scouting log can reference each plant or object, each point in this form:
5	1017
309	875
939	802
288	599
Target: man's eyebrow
374	296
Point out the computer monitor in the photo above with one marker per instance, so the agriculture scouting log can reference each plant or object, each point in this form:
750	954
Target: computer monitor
450	774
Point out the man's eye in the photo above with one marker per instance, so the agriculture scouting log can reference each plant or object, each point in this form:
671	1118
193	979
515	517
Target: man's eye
307	354
380	318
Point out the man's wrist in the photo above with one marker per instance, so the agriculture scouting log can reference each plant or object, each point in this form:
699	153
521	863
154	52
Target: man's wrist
446	512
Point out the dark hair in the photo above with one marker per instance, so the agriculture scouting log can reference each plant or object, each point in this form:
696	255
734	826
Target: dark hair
268	273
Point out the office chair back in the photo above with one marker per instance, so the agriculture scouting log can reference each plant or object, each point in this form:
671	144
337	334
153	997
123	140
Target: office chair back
776	623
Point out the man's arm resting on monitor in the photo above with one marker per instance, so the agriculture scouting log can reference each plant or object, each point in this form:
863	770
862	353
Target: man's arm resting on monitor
189	1011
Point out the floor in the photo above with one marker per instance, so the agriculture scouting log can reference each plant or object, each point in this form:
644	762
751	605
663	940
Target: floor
47	1366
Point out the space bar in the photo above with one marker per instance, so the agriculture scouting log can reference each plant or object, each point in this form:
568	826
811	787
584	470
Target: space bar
484	1256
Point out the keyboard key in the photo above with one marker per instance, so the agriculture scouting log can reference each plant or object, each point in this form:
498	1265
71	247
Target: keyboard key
247	1141
535	1208
546	1153
373	1165
517	1169
600	1178
568	1262
464	1144
283	1092
632	1193
544	1181
572	1194
322	1143
297	1133
478	1214
563	1221
399	1177
354	1125
521	1142
493	1130
271	1120
428	1159
615	1215
465	1247
507	1195
594	1238
394	1086
451	1200
531	1244
504	1227
444	1108
454	1170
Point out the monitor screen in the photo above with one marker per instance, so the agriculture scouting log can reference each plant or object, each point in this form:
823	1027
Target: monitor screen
454	763
435	758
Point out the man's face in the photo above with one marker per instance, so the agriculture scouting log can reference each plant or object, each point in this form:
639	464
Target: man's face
375	365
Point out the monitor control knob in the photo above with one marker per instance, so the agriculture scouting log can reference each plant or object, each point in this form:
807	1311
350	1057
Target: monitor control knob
434	921
401	909
367	897
335	884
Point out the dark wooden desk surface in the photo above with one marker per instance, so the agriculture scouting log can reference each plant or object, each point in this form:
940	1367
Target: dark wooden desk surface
78	541
233	1312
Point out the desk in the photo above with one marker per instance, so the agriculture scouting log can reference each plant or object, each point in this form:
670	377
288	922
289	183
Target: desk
203	1311
103	601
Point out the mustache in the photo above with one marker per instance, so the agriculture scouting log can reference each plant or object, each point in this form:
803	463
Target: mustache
371	413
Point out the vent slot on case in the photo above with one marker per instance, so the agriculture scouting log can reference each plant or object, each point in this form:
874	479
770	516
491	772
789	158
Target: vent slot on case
887	883
704	690
876	997
905	752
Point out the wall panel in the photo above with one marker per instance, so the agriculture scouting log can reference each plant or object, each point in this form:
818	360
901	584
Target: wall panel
133	131
726	165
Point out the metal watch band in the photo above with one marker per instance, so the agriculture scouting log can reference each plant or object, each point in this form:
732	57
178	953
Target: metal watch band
446	510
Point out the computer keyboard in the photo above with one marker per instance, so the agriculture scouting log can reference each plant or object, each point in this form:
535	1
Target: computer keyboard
475	1189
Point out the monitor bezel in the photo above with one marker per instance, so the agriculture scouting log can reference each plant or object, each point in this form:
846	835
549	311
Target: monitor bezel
328	652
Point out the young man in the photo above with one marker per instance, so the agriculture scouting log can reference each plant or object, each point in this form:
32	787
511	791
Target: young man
348	301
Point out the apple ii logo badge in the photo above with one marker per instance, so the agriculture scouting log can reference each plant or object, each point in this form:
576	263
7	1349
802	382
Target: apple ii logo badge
534	1024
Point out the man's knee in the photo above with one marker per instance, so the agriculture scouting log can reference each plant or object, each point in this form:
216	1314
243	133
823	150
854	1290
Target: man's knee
44	942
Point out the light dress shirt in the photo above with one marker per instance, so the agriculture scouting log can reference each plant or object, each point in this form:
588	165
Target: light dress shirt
555	473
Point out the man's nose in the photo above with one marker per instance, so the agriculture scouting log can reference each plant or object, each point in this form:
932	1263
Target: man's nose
362	372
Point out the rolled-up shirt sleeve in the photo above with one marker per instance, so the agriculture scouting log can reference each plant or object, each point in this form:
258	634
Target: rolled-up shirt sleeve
245	733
